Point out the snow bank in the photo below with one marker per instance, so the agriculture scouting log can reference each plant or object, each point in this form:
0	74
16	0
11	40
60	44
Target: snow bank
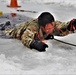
8	66
61	2
59	59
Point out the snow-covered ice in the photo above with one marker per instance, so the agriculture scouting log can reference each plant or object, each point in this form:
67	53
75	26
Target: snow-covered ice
59	58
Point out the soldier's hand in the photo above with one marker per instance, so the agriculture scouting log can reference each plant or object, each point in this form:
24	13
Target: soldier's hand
38	45
49	37
73	25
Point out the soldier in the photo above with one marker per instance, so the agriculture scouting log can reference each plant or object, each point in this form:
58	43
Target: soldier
33	33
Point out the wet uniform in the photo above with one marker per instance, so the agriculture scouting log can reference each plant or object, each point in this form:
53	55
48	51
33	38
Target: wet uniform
28	31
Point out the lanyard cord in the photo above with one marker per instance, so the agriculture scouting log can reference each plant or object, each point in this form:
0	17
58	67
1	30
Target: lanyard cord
63	34
64	42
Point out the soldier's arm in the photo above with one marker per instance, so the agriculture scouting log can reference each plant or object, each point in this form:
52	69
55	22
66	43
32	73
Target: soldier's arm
62	28
29	41
17	31
28	35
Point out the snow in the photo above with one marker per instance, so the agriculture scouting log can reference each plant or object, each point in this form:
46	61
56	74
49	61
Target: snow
59	58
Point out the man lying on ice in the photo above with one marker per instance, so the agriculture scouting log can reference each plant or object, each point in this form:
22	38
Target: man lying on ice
33	33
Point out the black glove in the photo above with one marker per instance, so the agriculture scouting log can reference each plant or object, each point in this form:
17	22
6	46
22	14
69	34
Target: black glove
49	37
40	46
71	24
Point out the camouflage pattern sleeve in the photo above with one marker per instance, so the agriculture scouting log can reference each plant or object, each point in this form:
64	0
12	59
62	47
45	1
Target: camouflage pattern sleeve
17	31
28	35
25	32
61	25
21	29
61	28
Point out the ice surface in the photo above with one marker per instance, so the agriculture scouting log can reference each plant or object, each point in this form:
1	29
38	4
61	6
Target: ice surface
59	58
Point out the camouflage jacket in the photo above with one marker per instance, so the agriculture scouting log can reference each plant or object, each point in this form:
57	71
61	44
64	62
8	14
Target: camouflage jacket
28	31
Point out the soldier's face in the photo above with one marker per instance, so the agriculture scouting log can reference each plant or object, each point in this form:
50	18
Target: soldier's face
49	28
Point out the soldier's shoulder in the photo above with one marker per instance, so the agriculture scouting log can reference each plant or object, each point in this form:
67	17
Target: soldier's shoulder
34	20
60	24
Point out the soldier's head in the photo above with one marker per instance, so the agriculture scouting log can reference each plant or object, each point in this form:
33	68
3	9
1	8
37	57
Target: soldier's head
46	22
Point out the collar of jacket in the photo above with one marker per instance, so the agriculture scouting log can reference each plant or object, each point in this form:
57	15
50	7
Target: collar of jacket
41	34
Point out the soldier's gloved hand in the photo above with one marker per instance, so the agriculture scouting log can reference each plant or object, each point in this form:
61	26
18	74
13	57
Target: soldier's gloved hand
38	45
72	25
49	37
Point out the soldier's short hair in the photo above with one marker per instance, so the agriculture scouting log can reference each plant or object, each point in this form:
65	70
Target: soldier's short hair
45	18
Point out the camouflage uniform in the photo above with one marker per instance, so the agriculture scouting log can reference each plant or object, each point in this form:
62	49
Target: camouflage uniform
61	28
29	30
